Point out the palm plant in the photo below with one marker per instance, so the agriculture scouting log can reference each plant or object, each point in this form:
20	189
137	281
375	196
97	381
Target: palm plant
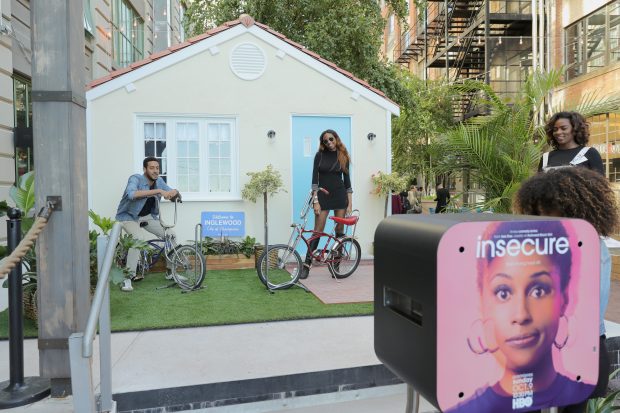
502	148
606	404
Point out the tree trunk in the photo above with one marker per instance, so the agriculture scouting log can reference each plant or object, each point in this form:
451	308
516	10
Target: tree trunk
387	197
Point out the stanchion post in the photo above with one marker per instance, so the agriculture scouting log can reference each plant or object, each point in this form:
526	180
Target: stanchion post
16	321
18	391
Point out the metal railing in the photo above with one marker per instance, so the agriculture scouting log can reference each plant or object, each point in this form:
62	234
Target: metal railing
81	344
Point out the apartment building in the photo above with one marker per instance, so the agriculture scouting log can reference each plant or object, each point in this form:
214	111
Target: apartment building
116	33
456	40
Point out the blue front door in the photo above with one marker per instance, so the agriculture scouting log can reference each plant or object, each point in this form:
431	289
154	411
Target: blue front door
306	131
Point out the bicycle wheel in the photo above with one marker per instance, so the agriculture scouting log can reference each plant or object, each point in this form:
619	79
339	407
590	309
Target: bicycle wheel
284	267
346	257
148	257
188	268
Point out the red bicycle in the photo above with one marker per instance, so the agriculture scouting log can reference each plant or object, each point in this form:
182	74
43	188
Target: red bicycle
280	266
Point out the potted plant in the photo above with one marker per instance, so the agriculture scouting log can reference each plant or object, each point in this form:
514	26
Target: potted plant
386	183
264	183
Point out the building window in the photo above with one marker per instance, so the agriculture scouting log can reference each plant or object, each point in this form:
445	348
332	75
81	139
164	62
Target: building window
593	42
161	25
88	18
22	115
128	34
197	155
596	41
22	90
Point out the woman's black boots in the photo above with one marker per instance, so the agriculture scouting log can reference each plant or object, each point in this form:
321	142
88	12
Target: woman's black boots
305	268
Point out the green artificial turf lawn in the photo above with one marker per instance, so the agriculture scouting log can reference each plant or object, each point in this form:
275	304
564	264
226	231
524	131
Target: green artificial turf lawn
231	297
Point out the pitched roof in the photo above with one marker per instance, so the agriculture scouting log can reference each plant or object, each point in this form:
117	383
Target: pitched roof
246	21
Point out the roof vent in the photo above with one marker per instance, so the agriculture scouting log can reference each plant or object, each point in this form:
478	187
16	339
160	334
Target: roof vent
248	61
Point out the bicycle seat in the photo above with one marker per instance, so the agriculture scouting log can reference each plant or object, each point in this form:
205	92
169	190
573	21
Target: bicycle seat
352	220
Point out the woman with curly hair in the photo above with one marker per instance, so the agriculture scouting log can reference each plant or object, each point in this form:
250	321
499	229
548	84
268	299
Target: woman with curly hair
330	172
568	135
585	194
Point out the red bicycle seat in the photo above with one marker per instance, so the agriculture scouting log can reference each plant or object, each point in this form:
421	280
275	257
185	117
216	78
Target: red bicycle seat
346	221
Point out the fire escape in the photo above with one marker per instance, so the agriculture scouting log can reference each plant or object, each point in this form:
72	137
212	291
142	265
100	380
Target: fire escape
463	40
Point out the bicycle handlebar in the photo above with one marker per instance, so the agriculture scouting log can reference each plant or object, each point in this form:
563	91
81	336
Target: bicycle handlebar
176	199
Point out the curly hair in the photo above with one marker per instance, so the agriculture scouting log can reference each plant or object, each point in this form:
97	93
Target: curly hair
581	130
343	155
571	192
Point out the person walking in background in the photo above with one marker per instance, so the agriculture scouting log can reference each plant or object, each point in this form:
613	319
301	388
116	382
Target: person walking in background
585	194
568	134
330	172
138	210
442	197
397	203
415	200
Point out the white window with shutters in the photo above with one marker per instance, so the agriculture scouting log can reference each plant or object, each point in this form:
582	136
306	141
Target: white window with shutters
198	156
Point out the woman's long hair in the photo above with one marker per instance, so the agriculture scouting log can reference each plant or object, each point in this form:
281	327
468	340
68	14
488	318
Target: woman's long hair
341	151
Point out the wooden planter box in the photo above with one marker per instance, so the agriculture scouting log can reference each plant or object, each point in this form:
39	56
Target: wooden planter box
216	262
229	262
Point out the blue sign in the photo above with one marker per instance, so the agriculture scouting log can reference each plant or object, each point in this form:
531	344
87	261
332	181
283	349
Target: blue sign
223	224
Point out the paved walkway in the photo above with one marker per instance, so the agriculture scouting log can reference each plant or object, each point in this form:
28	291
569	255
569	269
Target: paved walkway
180	357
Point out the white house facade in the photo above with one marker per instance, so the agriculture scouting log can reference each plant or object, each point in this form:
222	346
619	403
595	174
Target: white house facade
229	102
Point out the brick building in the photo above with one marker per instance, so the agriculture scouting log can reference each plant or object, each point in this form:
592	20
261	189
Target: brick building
116	33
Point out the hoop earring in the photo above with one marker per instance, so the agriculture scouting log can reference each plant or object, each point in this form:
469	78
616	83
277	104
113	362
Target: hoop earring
479	347
563	342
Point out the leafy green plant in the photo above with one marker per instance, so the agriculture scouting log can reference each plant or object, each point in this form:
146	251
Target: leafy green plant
211	246
606	404
23	193
103	223
386	183
246	246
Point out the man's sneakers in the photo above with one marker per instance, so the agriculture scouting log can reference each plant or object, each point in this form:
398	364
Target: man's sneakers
126	285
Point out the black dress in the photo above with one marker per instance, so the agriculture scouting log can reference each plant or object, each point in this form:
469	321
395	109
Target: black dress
327	174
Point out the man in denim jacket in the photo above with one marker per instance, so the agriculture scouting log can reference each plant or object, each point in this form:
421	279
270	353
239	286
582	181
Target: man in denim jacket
138	208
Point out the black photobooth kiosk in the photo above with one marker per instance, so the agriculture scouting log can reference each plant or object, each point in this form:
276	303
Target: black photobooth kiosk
489	313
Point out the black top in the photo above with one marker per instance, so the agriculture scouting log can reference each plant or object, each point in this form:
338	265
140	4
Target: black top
442	198
326	173
563	157
148	205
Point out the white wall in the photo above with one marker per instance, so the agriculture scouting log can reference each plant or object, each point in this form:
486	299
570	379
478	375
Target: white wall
205	85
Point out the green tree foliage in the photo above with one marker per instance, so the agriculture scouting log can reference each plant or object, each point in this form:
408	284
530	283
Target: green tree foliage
346	32
427	114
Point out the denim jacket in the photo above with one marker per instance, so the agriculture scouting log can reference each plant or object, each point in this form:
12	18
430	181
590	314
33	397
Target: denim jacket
130	207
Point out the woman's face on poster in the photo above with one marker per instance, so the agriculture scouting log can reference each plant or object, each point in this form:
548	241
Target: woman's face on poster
522	303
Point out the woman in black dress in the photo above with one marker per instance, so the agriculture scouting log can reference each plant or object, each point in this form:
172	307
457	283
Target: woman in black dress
568	134
331	172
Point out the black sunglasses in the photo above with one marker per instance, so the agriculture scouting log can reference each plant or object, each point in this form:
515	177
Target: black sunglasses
330	139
